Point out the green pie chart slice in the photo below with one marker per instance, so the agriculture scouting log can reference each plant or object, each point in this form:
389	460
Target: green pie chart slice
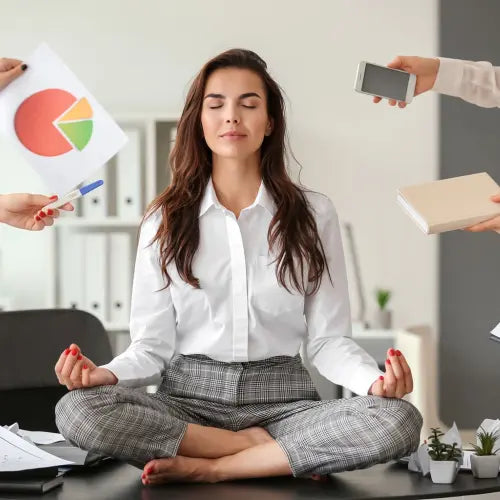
78	133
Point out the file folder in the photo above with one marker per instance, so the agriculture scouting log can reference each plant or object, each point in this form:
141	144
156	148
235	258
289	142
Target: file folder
95	278
120	280
128	177
95	204
71	269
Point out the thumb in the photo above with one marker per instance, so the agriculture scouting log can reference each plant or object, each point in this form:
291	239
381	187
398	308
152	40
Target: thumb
38	200
377	388
396	63
7	77
496	198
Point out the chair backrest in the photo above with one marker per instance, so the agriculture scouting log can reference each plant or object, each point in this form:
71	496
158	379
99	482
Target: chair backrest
30	344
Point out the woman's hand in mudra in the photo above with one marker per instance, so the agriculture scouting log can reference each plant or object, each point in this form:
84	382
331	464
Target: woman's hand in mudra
74	370
397	381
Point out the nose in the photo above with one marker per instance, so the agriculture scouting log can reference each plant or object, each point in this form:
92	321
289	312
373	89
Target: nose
232	116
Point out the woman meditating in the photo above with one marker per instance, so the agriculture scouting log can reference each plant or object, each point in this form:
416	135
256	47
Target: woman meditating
236	267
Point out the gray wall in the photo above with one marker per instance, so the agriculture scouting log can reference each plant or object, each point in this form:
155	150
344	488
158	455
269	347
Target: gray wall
469	367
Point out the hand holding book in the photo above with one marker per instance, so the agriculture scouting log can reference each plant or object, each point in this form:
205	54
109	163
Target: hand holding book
490	224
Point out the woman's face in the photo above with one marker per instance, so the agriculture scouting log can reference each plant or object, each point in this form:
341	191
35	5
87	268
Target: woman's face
234	113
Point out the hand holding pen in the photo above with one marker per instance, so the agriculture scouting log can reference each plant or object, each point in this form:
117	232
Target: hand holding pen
25	211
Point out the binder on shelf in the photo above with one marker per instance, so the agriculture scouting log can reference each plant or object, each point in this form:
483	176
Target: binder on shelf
94	277
71	269
128	176
120	279
95	204
173	135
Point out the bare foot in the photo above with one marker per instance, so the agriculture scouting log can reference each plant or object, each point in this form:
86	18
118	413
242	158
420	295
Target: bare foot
256	435
318	477
179	469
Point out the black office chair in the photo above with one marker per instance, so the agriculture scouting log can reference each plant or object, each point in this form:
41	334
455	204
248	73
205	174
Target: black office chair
30	344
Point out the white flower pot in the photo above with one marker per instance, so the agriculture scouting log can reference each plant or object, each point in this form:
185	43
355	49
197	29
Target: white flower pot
383	319
443	471
485	465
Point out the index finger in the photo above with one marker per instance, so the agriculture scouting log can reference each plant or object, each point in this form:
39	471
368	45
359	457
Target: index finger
488	225
7	63
396	63
60	362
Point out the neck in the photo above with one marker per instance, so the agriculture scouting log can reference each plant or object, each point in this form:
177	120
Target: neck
236	182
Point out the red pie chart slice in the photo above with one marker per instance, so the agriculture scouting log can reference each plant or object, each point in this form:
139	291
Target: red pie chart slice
33	122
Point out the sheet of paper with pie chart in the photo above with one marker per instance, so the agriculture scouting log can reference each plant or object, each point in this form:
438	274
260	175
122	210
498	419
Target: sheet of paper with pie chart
63	132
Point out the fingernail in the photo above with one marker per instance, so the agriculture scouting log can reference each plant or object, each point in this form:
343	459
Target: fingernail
38	218
24	67
79	357
149	470
53	198
42	213
85	367
50	211
398	353
67	351
388	361
381	377
143	476
74	351
392	352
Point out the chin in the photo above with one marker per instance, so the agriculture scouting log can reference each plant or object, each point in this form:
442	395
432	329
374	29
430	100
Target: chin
234	153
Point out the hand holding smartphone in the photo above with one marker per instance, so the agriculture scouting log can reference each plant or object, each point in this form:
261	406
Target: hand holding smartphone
381	81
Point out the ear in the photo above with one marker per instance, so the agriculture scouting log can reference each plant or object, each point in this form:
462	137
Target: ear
269	128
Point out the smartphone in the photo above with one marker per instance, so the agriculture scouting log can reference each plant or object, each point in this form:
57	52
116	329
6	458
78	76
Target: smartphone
385	82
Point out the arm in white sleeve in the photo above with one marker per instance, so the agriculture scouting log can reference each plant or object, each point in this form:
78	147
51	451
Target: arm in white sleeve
152	318
336	356
475	82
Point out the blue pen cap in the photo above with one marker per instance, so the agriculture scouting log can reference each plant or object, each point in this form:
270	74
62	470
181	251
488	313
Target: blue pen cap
89	187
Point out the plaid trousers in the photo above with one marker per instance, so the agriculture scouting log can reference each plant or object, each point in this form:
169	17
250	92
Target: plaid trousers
277	394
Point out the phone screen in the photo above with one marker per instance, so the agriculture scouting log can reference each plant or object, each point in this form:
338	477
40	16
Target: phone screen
385	82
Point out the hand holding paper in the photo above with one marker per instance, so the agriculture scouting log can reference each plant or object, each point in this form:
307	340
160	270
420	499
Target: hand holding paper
10	69
58	126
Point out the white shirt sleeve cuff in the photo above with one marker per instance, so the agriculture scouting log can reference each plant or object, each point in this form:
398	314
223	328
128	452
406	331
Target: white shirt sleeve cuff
363	379
449	77
124	373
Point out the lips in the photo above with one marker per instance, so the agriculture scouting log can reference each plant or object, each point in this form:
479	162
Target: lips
233	134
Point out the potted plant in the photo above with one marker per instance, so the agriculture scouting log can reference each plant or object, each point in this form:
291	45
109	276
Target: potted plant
485	462
382	315
444	458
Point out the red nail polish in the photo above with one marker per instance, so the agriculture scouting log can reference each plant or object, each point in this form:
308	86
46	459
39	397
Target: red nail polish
38	218
392	352
53	198
50	211
67	351
388	361
143	476
149	470
42	213
74	351
79	357
381	377
85	367
398	353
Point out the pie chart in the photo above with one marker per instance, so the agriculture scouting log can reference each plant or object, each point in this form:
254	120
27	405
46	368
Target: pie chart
53	122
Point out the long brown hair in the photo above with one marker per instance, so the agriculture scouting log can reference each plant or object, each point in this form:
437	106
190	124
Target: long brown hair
293	234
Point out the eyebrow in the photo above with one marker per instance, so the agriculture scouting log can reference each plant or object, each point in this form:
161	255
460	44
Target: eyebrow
242	96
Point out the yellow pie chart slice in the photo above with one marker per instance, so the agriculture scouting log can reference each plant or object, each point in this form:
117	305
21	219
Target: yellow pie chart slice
80	111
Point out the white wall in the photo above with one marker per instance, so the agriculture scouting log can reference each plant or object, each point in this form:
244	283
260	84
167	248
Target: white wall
140	56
